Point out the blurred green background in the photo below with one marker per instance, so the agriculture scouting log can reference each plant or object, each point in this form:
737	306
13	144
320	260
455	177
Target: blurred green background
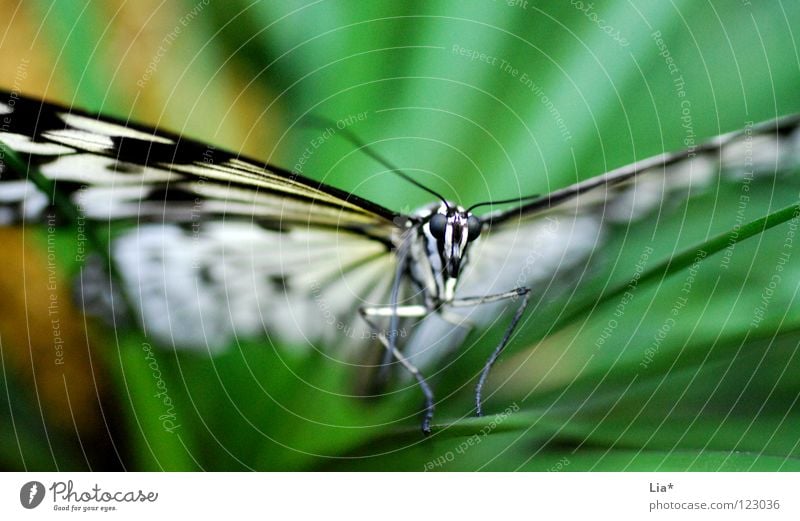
481	100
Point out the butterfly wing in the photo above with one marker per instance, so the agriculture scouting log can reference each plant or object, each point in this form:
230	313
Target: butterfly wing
115	169
765	148
554	238
223	247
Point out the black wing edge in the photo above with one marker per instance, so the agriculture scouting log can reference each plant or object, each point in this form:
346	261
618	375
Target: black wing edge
780	126
32	117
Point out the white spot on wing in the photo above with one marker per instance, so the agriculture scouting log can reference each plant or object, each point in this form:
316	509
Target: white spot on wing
94	169
760	154
111	202
106	128
22	192
636	201
5	109
24	144
15	191
694	172
80	139
646	192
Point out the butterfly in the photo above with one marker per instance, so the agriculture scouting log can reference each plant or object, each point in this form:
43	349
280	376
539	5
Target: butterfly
212	246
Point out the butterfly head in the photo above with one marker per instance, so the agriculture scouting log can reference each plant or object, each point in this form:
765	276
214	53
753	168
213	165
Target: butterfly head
451	228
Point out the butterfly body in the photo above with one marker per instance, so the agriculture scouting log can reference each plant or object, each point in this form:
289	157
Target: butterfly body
444	232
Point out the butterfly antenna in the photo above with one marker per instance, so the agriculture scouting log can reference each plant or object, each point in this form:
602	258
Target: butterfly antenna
505	201
319	121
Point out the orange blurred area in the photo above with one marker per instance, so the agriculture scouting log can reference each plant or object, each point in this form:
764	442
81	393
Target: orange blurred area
46	347
147	53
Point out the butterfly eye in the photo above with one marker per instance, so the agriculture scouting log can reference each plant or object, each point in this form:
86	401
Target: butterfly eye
437	225
474	227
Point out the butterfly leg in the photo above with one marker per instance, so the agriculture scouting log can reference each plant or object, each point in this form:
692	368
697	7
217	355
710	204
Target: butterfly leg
525	293
400	311
389	344
392	312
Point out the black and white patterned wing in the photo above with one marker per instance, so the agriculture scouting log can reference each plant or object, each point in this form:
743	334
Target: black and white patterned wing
115	170
222	248
536	244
